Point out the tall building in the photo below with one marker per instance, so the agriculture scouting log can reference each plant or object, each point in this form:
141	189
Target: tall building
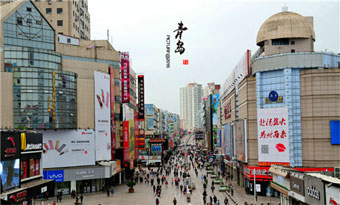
191	102
67	17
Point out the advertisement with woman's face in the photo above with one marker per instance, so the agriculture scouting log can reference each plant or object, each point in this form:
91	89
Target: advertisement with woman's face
9	172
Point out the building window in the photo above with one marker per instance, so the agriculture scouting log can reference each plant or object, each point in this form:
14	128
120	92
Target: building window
292	51
292	42
60	0
48	10
19	20
29	9
38	22
59	10
59	23
281	41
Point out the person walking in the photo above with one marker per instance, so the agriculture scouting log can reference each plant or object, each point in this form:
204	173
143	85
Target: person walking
81	198
215	199
211	199
157	201
212	188
204	199
218	202
181	188
154	188
174	201
225	201
108	192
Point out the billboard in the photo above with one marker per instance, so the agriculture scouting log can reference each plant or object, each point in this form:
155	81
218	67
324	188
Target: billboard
112	103
131	135
141	106
149	109
273	136
240	140
125	76
156	148
68	148
9	145
240	71
126	140
102	116
332	195
9	172
57	175
228	141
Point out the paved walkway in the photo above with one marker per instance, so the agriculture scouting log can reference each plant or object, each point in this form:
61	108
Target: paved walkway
144	195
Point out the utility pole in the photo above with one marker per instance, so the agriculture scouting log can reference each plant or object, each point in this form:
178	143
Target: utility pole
254	186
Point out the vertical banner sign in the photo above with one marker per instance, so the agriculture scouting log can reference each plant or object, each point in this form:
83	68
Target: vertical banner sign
132	134
113	125
102	116
141	97
125	76
126	140
136	130
273	136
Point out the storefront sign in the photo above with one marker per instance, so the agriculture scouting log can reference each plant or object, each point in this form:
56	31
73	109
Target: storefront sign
57	175
141	97
314	190
10	145
18	197
125	76
297	185
273	136
82	174
240	140
260	172
126	140
31	141
332	195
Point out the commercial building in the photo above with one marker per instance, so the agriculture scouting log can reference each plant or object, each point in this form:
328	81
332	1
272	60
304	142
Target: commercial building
190	103
63	89
279	106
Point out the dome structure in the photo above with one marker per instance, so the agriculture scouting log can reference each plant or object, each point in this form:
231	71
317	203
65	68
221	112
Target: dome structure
285	25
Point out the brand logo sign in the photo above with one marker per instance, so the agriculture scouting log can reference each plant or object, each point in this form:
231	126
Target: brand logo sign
313	192
273	97
10	145
57	175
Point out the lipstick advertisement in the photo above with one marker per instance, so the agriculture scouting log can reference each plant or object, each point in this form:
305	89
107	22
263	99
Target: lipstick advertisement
273	136
102	116
70	148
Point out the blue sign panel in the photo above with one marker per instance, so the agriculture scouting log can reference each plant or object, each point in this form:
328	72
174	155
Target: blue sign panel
273	96
335	132
57	175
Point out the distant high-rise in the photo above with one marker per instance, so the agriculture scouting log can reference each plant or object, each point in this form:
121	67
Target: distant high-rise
191	102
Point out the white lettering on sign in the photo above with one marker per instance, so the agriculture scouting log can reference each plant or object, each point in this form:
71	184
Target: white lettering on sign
312	192
33	146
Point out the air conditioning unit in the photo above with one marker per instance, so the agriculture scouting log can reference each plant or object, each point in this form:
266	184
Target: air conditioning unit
337	172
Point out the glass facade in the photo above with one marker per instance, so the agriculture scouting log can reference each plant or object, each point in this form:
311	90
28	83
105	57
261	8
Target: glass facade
44	96
286	83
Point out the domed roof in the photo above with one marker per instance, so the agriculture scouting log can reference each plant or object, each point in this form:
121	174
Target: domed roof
285	25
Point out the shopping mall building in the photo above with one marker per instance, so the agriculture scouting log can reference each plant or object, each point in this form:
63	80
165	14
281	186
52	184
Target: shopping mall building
280	106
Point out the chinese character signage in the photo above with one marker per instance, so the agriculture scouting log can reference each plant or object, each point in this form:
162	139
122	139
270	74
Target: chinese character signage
141	97
273	136
113	126
126	140
125	76
179	31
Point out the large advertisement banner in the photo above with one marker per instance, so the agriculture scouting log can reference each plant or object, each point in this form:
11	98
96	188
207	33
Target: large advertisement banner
102	108
126	140
125	76
240	141
273	136
332	195
68	148
131	135
113	126
141	106
228	140
240	71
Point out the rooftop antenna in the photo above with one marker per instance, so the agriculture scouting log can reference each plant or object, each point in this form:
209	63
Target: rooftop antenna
284	8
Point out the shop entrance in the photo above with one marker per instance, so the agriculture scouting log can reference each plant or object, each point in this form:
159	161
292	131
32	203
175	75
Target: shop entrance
84	186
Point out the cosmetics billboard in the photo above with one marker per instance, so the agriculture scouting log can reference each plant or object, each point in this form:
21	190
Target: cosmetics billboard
68	148
102	116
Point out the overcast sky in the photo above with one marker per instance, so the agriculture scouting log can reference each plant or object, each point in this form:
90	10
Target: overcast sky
219	32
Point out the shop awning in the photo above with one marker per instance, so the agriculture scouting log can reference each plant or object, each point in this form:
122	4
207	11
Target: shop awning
278	188
35	183
278	171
